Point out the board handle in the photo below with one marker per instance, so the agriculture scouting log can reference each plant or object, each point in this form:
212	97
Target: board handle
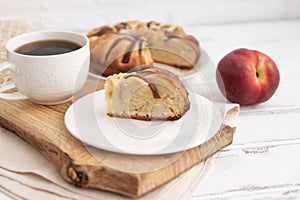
5	85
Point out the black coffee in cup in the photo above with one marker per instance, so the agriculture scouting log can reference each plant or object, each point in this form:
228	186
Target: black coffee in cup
47	47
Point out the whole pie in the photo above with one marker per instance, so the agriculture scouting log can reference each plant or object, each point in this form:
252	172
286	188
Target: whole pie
124	46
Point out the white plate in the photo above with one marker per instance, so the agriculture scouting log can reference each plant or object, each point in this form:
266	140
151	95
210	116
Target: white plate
86	119
204	62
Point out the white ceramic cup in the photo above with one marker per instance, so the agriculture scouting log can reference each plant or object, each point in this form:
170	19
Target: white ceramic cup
50	79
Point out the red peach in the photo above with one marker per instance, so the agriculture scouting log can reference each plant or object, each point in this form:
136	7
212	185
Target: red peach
247	76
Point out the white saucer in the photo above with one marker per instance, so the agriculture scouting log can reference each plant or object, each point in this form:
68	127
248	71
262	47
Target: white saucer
86	120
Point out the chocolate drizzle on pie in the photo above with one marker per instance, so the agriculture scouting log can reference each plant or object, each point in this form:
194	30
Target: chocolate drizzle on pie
149	24
141	46
175	34
153	25
171	35
134	39
123	25
140	50
130	49
154	91
114	44
151	85
128	53
145	68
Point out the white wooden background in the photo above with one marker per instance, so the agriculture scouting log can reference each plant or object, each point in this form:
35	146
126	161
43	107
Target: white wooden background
263	162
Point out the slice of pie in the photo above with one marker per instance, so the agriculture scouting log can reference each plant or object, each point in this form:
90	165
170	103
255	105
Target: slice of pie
148	94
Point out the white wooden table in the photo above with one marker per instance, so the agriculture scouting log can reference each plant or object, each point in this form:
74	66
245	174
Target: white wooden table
263	161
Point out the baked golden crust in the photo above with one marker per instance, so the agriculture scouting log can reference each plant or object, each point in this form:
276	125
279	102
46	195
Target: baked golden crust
115	53
167	44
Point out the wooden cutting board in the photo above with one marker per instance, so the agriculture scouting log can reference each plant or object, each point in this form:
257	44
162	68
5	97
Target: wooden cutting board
43	128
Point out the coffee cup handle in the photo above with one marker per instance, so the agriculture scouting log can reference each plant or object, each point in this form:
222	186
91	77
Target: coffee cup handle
9	85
